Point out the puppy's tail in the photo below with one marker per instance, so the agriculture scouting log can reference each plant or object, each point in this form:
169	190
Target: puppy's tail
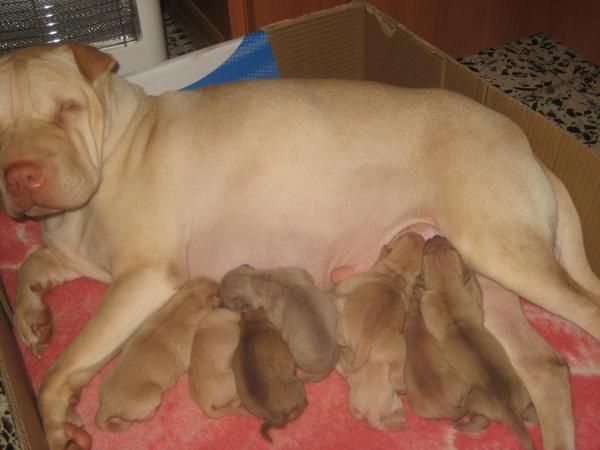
281	421
264	430
268	424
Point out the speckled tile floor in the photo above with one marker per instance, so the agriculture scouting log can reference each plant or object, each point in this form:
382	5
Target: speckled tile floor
550	78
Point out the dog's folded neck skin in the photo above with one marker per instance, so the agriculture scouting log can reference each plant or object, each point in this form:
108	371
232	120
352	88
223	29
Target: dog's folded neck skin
125	107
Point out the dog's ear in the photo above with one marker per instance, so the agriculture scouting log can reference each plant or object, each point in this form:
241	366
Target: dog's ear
92	62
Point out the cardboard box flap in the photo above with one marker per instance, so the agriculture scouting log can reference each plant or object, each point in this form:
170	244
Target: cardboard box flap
396	55
325	44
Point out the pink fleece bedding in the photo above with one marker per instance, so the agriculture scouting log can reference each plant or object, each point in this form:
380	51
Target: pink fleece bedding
325	424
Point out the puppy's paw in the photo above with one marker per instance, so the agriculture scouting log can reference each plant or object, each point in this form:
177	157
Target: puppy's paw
33	322
396	420
77	437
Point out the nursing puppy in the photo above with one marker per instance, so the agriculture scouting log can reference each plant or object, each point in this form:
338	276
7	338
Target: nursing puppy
372	320
264	371
452	310
373	398
211	377
305	316
434	389
154	357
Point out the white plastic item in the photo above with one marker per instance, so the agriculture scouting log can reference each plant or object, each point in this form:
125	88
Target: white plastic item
150	49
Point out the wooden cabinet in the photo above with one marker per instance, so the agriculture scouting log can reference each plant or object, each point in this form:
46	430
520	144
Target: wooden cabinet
458	27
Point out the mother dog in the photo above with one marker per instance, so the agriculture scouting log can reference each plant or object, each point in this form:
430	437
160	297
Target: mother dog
144	192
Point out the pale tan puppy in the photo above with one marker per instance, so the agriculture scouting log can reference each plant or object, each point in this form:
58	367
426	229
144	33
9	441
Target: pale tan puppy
373	398
452	309
265	373
305	315
372	320
434	389
154	358
211	378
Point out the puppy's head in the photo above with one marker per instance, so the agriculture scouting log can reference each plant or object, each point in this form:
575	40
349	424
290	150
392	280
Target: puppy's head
443	266
404	255
374	399
203	290
51	127
235	291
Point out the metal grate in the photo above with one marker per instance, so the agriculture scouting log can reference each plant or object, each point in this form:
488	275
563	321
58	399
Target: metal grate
99	22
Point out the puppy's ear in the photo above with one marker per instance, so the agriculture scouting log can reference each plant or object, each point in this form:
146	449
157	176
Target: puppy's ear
385	251
92	62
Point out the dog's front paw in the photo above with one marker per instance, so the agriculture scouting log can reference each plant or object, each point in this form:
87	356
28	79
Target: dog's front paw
62	425
33	322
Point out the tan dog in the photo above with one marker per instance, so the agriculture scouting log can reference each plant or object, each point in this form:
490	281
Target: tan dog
211	377
265	373
372	321
373	398
154	358
434	388
305	316
452	310
145	192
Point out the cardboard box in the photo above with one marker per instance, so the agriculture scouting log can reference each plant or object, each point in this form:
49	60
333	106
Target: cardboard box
357	41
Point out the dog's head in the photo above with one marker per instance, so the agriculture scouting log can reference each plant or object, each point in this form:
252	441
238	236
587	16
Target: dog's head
51	127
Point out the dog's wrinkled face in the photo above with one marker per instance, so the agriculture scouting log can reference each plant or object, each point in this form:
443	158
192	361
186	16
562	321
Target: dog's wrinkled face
51	128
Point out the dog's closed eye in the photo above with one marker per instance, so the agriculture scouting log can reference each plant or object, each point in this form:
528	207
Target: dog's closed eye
65	111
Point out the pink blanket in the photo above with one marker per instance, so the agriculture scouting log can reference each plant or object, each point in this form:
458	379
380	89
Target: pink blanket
325	424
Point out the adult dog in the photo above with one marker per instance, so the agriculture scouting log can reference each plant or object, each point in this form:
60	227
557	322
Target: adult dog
145	192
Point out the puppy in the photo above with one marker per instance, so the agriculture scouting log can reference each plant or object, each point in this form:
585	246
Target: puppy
434	389
211	378
371	324
453	314
264	371
373	398
305	316
154	357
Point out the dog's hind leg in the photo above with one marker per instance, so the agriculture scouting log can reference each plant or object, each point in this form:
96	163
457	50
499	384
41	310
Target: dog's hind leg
541	369
568	244
522	259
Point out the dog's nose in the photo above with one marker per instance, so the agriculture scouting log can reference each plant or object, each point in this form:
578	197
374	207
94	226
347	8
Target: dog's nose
23	177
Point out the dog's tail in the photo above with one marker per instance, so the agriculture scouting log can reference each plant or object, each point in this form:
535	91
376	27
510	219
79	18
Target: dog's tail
569	246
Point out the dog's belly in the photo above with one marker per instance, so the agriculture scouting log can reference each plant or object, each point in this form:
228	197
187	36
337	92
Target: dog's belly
319	238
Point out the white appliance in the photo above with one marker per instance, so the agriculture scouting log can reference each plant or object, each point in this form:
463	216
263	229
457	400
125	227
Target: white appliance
130	30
